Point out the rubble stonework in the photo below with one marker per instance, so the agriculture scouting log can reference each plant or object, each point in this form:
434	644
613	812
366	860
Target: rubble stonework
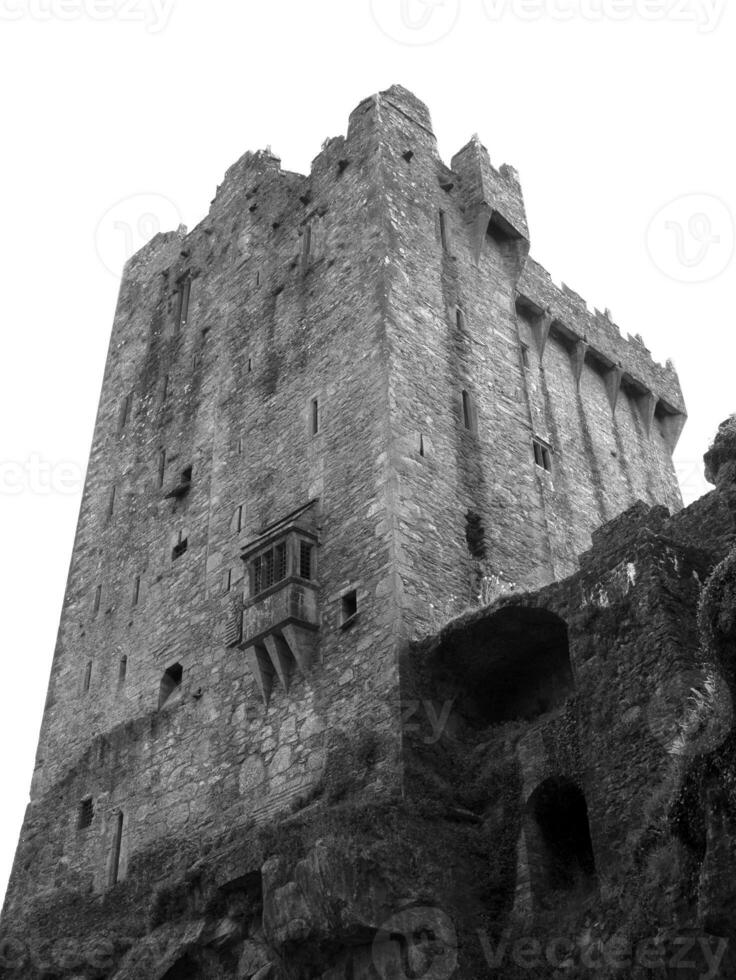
344	408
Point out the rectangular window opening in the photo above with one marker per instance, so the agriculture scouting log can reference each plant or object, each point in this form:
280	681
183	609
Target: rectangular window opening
349	607
161	467
111	502
542	455
268	569
87	678
122	670
136	589
86	813
314	416
305	560
98	599
227	581
460	319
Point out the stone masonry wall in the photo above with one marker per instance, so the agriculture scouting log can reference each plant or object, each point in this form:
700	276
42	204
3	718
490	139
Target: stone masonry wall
342	286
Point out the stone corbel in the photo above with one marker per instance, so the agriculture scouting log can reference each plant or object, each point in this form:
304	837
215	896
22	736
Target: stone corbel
280	656
577	356
614	376
541	330
482	218
648	406
672	426
262	670
302	643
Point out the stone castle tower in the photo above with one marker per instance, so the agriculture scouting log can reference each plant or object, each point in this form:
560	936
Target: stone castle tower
343	404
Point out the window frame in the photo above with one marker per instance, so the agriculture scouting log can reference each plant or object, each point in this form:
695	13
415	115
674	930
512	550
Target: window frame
287	563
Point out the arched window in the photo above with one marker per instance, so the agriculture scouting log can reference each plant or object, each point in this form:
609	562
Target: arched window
558	843
170	682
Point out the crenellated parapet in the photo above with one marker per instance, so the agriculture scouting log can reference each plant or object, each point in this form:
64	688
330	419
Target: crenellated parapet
593	338
493	198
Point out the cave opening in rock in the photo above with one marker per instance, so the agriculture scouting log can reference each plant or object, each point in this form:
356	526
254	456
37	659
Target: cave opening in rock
559	845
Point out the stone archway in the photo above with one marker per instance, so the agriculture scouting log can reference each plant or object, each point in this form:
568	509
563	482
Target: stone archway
559	849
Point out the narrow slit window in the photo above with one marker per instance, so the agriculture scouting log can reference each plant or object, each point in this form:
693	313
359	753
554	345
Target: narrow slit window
238	519
305	560
467	411
443	231
306	247
111	501
227	581
87	678
117	841
136	590
460	318
98	599
122	670
250	365
421	445
161	467
349	607
86	813
525	355
314	416
240	447
183	298
125	412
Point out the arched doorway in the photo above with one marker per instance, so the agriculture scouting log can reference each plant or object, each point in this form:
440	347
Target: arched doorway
558	843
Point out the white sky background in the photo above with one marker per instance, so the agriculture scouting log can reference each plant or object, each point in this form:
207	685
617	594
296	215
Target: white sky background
609	115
